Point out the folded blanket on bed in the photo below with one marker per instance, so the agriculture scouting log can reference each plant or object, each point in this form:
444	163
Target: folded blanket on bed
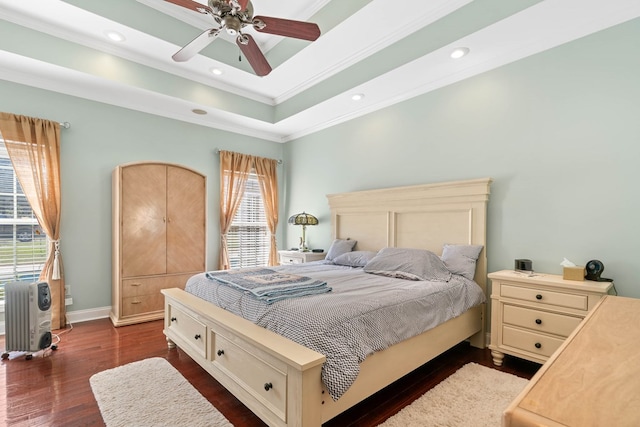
269	285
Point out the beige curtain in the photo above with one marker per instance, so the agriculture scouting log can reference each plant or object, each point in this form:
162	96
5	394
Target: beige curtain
266	170
234	171
34	148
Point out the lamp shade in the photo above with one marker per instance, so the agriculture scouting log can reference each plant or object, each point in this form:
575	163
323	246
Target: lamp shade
303	219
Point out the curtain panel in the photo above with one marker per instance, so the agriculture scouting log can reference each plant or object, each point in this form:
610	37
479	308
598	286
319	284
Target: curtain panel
266	170
33	146
234	172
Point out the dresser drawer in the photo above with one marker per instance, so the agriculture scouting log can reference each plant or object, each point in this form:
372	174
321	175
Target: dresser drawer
531	342
537	320
290	260
265	380
543	296
189	328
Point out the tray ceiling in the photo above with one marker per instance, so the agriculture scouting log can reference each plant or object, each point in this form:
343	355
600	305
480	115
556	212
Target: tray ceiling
386	54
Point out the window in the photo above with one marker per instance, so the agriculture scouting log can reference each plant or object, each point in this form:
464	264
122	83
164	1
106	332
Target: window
23	244
248	239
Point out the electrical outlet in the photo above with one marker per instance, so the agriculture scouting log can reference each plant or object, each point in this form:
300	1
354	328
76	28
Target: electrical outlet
68	301
67	290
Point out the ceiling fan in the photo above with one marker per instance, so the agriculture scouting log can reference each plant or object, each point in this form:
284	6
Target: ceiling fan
232	16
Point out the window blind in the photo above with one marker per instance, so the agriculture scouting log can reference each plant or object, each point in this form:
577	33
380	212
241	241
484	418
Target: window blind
248	238
23	244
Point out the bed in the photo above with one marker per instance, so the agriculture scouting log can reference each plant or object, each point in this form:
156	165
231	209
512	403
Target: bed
281	380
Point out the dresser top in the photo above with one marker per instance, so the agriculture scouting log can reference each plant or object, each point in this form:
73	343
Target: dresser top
550	279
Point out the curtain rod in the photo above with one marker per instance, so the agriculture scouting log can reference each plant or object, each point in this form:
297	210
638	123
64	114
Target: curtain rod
217	151
65	125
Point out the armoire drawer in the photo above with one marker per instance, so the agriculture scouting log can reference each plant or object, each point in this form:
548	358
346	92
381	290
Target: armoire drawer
543	296
140	304
265	380
152	285
188	327
538	320
530	341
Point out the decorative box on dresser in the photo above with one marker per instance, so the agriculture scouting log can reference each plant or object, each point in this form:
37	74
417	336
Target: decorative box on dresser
532	314
298	257
159	238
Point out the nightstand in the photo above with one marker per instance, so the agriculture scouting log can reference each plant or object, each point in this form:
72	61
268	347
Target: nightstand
532	314
296	257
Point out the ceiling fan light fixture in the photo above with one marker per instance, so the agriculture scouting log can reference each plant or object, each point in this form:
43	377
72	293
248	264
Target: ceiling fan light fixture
459	52
232	24
114	36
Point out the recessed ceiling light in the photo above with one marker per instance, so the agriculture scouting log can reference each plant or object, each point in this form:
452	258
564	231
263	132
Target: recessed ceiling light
115	36
357	97
199	111
459	52
216	71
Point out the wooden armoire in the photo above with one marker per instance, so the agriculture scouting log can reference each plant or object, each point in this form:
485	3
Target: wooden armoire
159	236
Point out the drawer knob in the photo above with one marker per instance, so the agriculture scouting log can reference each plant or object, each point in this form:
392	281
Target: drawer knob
220	352
538	321
268	386
538	345
538	296
173	319
197	336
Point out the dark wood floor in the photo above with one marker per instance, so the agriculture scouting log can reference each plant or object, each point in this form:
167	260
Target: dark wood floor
54	390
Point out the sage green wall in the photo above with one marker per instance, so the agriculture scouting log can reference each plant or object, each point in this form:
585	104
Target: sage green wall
100	138
558	132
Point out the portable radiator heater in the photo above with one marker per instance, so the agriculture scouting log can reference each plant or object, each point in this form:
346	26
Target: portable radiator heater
27	317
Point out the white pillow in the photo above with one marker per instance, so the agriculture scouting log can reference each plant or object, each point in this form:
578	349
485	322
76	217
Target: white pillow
355	258
411	264
339	247
461	259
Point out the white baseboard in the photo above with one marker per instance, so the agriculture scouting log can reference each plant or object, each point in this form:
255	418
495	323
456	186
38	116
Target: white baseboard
79	316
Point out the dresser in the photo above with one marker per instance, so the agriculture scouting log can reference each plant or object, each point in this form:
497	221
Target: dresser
297	257
593	379
532	314
159	238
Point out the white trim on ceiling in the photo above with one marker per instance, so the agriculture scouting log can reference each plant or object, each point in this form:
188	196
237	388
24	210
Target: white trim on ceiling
540	27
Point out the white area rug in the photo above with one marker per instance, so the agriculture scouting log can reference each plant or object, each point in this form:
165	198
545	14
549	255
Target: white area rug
473	396
152	393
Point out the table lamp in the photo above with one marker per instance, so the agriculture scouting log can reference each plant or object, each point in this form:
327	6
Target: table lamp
303	219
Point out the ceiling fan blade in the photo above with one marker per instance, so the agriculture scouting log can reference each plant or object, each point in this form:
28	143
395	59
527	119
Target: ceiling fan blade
287	27
196	45
195	6
253	54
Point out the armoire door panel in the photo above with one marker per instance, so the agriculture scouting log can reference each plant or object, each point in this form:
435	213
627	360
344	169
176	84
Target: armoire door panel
143	227
186	212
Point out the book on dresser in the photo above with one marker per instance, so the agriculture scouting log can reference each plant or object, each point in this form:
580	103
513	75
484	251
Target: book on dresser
533	313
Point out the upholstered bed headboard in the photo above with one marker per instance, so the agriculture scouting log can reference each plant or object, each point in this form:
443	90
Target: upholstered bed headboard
420	216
